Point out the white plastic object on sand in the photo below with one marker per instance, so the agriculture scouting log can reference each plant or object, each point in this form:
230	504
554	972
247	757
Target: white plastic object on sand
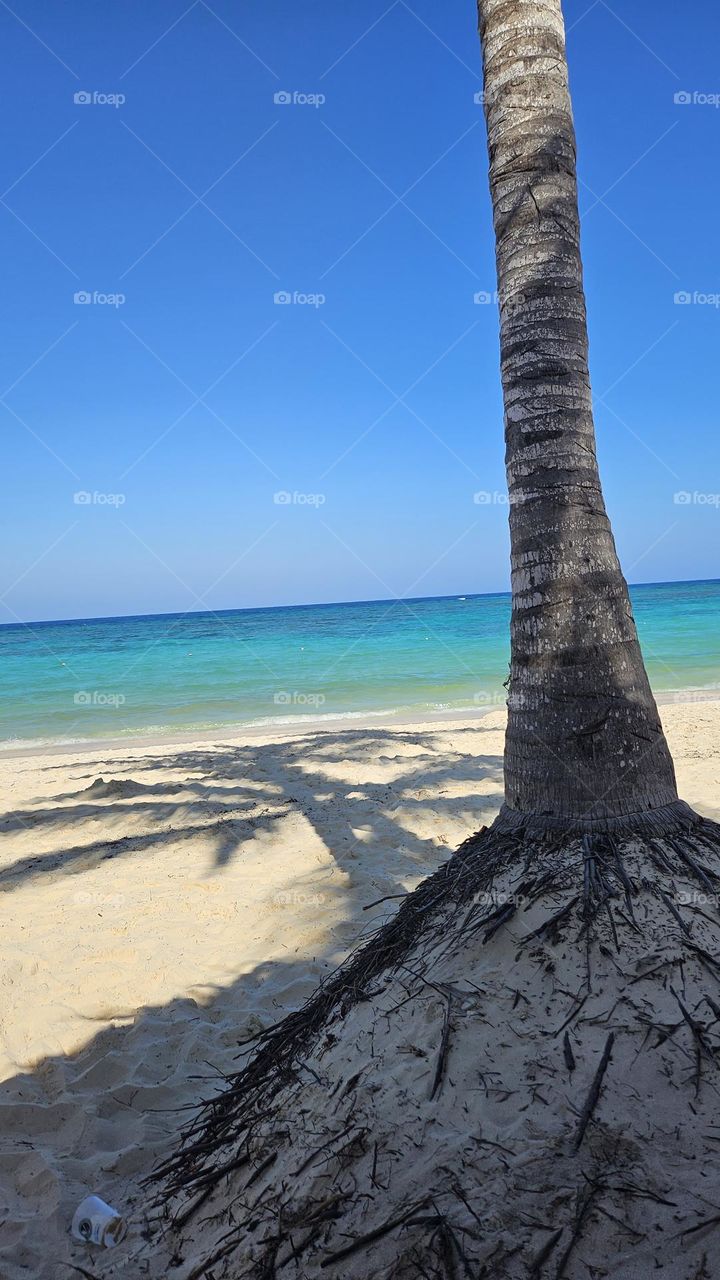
95	1222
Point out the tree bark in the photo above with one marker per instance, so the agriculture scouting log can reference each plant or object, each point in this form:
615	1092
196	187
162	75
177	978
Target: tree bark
584	740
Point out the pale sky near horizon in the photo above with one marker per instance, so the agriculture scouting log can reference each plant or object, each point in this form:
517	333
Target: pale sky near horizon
172	168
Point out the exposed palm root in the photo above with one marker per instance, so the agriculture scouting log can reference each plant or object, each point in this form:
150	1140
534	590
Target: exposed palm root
516	1077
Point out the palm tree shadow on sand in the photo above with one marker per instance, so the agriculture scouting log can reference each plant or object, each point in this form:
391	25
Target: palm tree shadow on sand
97	1120
234	792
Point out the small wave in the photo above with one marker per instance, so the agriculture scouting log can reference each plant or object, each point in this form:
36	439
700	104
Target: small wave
316	717
178	732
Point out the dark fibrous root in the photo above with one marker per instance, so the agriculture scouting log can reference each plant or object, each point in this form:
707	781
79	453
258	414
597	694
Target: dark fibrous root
594	1093
600	880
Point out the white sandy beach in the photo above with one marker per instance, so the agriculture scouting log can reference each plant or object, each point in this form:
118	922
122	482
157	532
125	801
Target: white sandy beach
161	902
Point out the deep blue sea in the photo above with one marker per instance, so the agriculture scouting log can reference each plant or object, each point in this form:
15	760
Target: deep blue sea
118	677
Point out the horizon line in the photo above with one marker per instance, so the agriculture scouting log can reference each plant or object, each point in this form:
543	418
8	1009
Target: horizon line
317	604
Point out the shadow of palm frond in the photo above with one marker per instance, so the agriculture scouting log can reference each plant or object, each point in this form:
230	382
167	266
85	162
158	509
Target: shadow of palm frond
354	800
233	793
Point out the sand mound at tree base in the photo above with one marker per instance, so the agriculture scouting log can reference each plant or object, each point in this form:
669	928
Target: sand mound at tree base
530	1090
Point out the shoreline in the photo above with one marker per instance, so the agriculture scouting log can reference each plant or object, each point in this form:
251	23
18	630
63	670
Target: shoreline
286	728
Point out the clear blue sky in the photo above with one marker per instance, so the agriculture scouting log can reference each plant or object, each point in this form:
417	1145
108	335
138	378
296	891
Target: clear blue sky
376	199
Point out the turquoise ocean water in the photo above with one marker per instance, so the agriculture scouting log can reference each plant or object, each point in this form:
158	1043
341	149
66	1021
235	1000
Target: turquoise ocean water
118	677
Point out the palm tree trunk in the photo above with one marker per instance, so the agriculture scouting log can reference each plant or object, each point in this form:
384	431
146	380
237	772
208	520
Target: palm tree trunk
584	739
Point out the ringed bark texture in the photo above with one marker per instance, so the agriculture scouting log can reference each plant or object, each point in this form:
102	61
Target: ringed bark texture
584	738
